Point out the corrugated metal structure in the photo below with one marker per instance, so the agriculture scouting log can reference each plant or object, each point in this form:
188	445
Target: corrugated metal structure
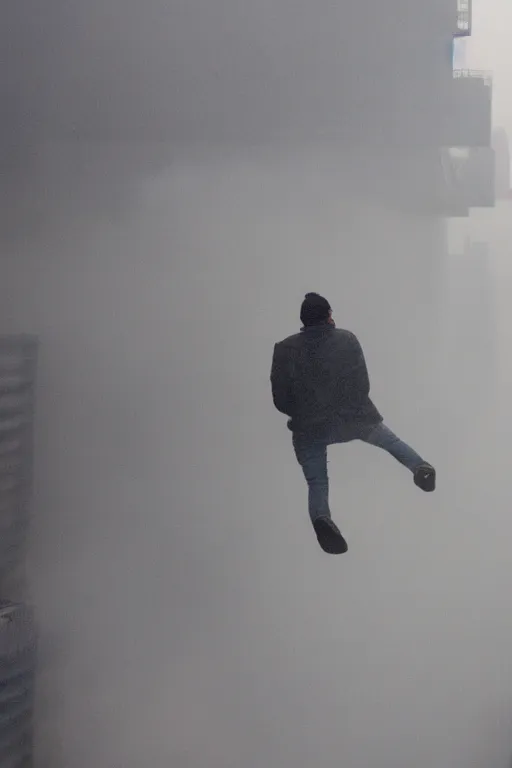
17	670
18	360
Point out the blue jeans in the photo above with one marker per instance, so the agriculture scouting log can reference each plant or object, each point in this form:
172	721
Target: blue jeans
311	454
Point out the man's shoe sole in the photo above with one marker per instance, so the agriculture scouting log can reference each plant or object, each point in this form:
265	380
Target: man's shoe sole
329	536
425	478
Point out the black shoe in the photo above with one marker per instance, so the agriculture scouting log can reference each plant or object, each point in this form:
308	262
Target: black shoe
425	477
329	536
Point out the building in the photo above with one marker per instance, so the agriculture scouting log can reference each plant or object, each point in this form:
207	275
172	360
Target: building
466	155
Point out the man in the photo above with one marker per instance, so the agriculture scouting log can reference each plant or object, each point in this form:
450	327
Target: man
320	381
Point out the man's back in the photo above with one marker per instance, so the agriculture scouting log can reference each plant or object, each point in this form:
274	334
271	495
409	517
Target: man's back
319	379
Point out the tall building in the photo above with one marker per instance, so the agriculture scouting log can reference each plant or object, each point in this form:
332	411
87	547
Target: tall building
466	155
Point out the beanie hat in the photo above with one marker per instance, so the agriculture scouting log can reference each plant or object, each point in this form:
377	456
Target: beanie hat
314	310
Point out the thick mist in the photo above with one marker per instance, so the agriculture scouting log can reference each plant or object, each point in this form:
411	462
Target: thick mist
159	236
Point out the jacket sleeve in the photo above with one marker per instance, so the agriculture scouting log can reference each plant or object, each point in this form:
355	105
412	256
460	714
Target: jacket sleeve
359	370
280	380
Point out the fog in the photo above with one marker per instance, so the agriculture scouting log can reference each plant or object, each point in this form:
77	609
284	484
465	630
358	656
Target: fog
178	176
489	48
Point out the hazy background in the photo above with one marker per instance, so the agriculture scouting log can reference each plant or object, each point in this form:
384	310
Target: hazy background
488	48
179	175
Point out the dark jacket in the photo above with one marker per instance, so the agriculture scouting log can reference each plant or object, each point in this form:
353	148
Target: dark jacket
320	380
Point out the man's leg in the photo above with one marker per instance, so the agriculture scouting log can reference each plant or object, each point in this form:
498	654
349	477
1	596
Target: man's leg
312	457
382	437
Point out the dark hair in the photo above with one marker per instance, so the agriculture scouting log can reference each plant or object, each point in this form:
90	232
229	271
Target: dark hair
314	310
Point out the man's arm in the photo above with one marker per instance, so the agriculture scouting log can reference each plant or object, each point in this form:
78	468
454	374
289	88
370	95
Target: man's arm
280	380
